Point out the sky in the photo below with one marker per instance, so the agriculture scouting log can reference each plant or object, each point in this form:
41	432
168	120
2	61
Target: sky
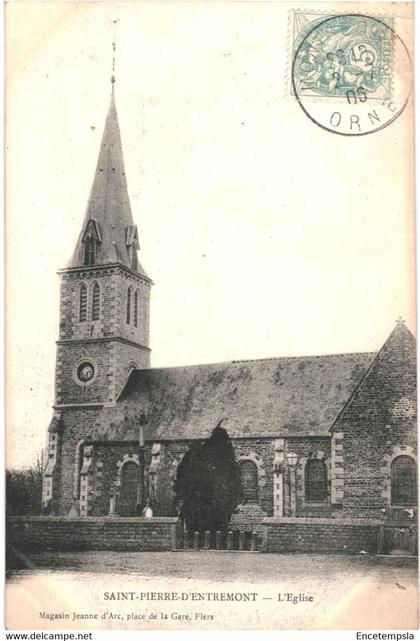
264	235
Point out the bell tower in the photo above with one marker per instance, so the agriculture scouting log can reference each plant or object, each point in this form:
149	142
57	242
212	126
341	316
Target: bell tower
105	292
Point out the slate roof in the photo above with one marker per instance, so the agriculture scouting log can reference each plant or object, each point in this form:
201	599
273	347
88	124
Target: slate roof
272	397
109	202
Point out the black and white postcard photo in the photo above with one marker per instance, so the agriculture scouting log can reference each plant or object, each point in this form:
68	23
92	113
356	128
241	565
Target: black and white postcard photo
210	316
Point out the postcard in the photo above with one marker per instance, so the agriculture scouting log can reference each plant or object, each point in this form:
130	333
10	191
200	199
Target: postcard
211	352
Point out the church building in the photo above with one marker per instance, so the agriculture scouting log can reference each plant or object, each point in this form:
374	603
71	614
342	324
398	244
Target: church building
329	436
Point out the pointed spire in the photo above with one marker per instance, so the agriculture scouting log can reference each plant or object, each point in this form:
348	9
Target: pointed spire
108	210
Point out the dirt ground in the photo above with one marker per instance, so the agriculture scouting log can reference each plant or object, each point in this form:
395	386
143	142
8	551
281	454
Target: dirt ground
225	566
211	590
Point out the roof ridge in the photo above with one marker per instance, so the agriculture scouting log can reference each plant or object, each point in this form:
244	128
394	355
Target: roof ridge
257	360
275	358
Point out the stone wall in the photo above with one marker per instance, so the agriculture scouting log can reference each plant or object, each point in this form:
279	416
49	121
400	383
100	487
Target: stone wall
92	533
321	535
377	425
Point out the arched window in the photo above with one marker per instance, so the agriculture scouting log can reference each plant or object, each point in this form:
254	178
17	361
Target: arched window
128	489
316	481
136	308
403	481
96	302
90	250
128	305
249	479
83	303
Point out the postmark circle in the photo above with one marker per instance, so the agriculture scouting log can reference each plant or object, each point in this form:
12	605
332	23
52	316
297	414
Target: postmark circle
351	74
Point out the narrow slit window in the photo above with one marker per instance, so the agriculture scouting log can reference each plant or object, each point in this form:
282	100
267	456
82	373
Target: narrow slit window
96	302
83	304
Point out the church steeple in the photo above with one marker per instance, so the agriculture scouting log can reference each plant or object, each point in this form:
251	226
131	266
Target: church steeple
109	235
105	292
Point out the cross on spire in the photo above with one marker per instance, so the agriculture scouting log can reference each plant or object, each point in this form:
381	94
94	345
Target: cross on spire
113	67
114	46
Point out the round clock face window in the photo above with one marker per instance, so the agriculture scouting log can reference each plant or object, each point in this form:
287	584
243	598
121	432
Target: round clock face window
85	372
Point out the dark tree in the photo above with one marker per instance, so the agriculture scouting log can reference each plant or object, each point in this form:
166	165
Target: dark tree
208	483
24	491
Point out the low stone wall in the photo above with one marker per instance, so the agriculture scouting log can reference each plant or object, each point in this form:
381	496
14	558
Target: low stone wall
248	518
32	533
321	535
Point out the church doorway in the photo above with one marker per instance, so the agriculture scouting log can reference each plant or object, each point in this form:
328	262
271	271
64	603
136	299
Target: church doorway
128	489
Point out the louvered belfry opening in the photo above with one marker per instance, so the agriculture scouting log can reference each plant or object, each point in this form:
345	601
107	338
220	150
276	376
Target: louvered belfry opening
83	303
96	302
90	251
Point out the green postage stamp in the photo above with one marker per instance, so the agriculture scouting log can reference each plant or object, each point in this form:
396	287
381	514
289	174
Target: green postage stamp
348	71
344	54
